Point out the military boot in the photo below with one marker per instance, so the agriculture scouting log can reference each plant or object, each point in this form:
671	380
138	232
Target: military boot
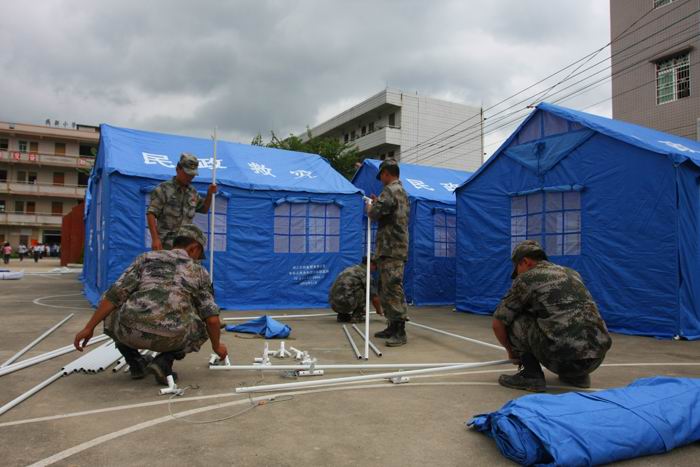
137	363
398	338
387	333
530	378
162	366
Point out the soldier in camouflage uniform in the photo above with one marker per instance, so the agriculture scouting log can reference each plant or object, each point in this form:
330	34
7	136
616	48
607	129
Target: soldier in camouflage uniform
164	302
390	211
174	202
549	317
347	295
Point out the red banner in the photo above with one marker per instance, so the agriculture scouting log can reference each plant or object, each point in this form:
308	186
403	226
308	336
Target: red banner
33	156
16	155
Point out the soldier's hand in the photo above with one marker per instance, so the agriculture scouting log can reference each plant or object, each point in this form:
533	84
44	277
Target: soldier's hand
85	335
156	244
221	351
212	189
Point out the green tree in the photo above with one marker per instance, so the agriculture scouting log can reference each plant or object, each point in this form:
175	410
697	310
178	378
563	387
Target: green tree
343	157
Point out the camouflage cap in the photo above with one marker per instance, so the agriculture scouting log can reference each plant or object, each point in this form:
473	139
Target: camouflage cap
193	232
385	164
522	250
189	163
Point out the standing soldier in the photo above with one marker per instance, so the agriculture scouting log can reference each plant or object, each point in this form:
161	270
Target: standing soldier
390	211
163	302
174	202
347	295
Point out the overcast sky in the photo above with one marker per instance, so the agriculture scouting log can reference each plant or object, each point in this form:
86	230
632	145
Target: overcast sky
253	66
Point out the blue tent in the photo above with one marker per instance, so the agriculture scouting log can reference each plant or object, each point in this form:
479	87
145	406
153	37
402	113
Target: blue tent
430	270
615	201
286	222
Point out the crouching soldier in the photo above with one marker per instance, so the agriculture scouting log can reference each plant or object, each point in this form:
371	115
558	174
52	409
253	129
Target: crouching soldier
163	302
548	317
347	295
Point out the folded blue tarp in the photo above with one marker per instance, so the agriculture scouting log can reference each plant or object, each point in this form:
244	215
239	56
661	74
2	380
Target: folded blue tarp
650	416
264	326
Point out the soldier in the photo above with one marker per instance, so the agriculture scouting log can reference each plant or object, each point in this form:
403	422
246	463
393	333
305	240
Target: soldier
164	302
347	295
174	202
549	317
390	211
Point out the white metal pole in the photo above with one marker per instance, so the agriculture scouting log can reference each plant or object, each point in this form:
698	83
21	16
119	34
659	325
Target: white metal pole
371	344
338	366
212	219
351	379
309	315
352	342
468	339
369	278
37	340
29	393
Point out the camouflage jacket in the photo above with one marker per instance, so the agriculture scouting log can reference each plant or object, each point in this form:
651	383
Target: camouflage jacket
174	205
390	211
161	292
563	309
351	282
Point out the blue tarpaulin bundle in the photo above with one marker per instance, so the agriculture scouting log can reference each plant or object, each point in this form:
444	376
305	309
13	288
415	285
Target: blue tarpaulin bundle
650	416
263	326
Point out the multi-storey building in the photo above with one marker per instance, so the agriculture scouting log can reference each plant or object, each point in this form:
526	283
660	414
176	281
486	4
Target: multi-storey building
43	174
391	124
656	64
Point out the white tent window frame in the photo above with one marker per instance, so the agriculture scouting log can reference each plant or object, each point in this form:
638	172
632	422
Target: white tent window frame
552	218
306	227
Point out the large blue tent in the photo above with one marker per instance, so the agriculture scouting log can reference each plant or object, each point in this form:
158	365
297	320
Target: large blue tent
618	202
286	222
430	270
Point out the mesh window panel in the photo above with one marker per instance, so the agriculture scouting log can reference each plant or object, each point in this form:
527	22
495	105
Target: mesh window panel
534	224
281	244
297	244
518	206
333	244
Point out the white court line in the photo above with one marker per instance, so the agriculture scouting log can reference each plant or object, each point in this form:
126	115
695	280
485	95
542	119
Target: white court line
38	301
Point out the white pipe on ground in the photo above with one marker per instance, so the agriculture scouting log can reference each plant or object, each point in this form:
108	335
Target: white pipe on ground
37	340
468	339
367	341
351	379
29	393
339	366
352	342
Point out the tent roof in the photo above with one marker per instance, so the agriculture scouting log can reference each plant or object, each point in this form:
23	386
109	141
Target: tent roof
420	181
155	155
676	148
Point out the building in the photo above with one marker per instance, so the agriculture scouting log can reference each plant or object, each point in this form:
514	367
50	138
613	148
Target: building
656	64
43	175
391	124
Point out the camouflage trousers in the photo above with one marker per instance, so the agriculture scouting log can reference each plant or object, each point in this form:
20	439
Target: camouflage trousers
525	337
189	339
391	291
353	305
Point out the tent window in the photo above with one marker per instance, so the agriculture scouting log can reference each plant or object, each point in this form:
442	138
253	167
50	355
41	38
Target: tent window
544	124
307	228
373	226
202	221
445	234
551	218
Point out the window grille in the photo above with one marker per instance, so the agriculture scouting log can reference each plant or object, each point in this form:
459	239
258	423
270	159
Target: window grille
673	79
306	228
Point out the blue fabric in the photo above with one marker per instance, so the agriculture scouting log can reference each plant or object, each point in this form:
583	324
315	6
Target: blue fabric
263	326
650	416
640	256
544	154
428	279
248	274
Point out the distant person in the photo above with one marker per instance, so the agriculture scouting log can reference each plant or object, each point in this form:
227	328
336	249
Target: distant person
174	203
164	302
347	296
548	317
36	252
47	251
22	251
6	252
390	210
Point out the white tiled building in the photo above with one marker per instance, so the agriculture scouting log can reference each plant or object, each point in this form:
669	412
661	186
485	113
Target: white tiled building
391	124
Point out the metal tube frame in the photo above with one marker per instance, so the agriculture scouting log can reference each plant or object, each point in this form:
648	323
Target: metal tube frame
468	339
352	342
37	340
339	366
368	342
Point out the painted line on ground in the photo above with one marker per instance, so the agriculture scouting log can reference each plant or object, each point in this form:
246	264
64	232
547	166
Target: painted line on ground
38	301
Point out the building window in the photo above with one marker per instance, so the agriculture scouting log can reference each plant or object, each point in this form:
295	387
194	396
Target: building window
392	119
21	176
307	228
19	206
3	175
346	137
57	208
83	178
31	177
445	234
364	130
59	148
23	146
2	205
31	207
551	218
59	178
4	144
371	127
390	155
87	150
673	79
353	135
658	3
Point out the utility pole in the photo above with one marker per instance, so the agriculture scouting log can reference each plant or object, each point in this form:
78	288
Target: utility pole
481	123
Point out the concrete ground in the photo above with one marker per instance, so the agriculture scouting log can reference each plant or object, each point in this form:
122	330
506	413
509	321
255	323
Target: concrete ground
108	419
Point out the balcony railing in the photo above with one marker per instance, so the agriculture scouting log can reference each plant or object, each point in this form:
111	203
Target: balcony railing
23	188
36	158
36	218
